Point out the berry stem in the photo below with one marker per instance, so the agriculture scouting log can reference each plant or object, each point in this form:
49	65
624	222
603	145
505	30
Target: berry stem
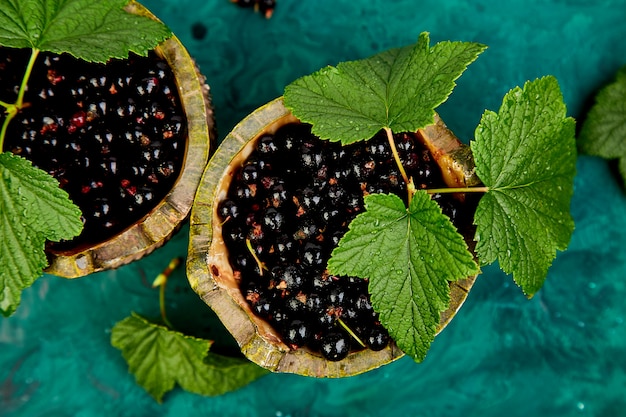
409	182
349	330
458	190
256	258
12	109
161	282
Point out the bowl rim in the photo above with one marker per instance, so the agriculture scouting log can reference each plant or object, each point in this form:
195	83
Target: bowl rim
205	278
158	225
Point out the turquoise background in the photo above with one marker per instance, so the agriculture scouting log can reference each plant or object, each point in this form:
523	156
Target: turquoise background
563	353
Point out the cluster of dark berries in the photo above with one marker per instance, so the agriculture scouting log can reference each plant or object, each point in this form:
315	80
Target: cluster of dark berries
265	7
286	209
113	135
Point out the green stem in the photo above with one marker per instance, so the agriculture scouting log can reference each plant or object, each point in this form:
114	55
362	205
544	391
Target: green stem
5	126
349	330
162	305
12	109
29	70
409	182
256	258
161	281
458	190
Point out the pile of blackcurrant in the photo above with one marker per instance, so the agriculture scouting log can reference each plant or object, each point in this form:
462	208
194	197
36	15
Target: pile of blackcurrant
265	7
113	135
287	207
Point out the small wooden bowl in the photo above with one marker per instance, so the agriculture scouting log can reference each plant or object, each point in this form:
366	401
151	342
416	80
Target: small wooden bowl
211	275
154	229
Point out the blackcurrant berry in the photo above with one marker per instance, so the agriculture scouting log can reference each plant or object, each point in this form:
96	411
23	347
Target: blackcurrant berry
297	333
267	147
335	346
273	220
228	210
377	338
312	256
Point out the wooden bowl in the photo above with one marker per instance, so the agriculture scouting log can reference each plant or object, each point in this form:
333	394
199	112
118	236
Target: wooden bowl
211	275
154	229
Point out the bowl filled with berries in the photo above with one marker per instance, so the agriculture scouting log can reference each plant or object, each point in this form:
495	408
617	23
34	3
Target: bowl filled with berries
282	203
342	225
117	121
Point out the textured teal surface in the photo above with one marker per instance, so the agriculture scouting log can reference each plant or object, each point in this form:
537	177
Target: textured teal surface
563	353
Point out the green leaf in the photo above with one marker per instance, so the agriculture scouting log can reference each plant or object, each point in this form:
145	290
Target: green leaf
603	132
160	358
398	89
408	256
33	209
526	155
92	30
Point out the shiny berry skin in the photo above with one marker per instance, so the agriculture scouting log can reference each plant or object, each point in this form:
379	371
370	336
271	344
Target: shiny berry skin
267	147
250	174
377	338
229	209
290	278
312	256
298	333
335	346
273	220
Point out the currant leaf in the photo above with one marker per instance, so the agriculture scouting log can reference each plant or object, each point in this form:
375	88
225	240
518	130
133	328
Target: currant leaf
91	30
526	155
603	132
33	209
396	89
409	256
160	358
